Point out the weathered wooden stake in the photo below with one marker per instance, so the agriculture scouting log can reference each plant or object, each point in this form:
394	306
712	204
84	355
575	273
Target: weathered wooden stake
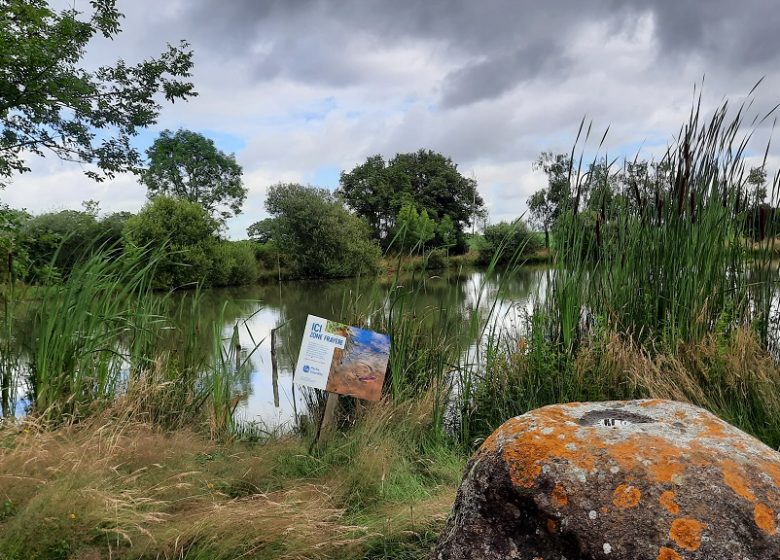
328	419
274	369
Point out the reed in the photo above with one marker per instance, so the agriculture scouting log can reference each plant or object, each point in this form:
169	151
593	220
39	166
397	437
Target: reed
664	261
652	293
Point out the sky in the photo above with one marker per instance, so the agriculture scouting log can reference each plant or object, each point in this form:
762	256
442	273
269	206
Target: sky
300	90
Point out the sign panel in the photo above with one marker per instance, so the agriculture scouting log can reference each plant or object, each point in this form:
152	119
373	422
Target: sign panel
342	359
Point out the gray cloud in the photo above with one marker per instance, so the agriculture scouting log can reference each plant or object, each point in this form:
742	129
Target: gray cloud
312	84
495	45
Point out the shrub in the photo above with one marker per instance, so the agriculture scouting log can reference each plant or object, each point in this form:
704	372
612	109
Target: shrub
233	264
60	240
506	242
319	236
184	231
436	260
267	255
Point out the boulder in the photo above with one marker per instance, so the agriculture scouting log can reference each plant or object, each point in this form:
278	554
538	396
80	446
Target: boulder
638	480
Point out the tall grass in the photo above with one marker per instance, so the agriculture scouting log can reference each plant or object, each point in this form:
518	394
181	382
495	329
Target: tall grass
664	261
103	338
94	333
652	293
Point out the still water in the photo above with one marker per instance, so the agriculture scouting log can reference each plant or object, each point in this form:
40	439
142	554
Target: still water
254	311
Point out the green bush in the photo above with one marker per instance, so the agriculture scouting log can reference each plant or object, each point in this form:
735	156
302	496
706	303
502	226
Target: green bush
233	264
436	260
267	255
319	236
59	240
507	242
186	234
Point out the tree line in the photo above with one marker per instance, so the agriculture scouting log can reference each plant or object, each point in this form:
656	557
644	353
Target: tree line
51	104
599	194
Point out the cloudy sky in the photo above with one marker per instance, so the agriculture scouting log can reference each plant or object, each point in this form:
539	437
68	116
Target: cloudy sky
302	89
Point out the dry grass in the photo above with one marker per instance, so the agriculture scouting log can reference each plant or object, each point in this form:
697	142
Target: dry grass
134	491
116	488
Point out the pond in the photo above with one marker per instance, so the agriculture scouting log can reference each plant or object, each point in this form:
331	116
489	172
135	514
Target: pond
257	310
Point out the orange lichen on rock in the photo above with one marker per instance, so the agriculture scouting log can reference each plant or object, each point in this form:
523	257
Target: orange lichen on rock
664	456
772	468
626	496
651	403
687	533
527	449
713	427
765	519
734	477
667	500
668	554
559	497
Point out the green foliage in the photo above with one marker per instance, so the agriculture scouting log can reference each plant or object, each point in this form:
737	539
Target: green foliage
233	264
547	204
110	229
185	231
14	257
319	236
506	243
57	241
261	231
188	165
377	191
50	102
268	255
413	230
446	233
436	259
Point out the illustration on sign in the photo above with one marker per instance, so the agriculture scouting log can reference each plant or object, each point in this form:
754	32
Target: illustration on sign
342	359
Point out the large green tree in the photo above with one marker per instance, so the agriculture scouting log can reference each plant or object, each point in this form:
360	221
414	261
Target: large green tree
51	103
377	191
317	234
187	165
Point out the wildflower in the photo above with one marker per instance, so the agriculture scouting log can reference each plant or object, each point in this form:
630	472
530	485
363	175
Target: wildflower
72	516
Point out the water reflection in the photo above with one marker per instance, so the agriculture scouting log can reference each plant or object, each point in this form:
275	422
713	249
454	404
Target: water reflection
257	310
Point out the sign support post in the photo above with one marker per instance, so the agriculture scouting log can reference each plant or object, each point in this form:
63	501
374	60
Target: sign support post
328	419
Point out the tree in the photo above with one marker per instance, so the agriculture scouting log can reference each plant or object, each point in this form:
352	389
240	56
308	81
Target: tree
317	234
542	212
262	231
546	204
446	233
188	165
185	234
50	103
558	168
413	229
377	191
507	242
367	191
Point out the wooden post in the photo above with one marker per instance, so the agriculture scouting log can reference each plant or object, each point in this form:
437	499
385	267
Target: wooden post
328	419
274	369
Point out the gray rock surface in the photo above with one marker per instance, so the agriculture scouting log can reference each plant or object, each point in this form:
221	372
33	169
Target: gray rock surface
638	480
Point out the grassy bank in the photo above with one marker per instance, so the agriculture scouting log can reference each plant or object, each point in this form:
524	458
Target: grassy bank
120	488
